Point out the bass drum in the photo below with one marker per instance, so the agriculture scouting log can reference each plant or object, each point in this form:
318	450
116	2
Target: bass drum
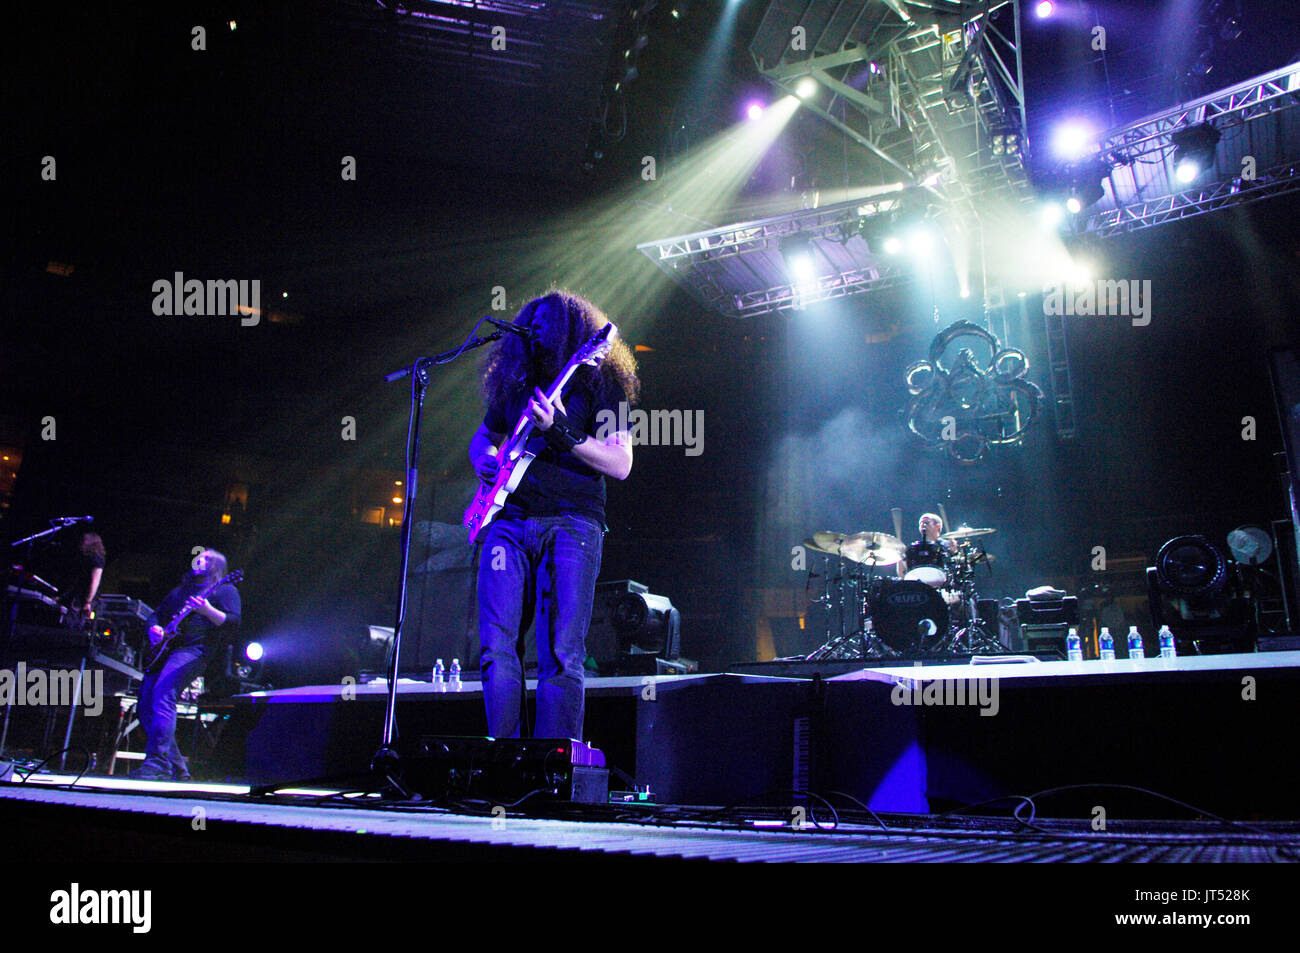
930	575
910	615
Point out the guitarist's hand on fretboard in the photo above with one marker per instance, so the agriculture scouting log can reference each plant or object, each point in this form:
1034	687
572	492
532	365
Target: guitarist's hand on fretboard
543	411
156	634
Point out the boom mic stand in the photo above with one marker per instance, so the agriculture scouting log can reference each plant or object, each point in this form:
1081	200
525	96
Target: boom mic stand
385	765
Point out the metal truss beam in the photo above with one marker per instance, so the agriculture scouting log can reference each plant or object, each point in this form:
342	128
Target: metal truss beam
739	270
1255	121
1279	180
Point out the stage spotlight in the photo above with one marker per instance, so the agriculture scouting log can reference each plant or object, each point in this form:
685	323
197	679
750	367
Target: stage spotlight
647	624
253	651
920	241
1072	139
1196	591
893	245
1054	214
806	88
1085	188
754	111
1194	150
1006	144
1044	9
800	263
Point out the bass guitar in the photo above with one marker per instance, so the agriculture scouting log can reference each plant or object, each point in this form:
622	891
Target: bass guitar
513	459
153	653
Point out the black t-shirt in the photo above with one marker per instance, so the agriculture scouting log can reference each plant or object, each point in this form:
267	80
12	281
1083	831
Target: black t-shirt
921	553
196	627
558	483
75	584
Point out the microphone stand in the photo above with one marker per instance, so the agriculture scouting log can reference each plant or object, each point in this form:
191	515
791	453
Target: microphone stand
386	763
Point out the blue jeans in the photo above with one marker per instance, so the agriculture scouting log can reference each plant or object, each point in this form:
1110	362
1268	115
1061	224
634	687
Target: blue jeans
543	566
156	710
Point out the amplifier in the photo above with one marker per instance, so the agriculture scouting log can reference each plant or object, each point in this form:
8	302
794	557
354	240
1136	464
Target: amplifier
1044	640
506	770
120	608
1048	611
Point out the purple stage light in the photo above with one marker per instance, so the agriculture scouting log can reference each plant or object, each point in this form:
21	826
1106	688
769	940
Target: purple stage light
1045	9
754	110
1072	139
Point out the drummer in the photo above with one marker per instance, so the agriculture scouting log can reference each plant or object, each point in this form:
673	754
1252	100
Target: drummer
929	550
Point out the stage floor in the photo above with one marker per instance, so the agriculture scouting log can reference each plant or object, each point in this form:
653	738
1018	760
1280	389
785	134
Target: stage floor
102	818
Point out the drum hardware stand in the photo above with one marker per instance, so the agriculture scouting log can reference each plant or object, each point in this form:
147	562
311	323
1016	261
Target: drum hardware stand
974	637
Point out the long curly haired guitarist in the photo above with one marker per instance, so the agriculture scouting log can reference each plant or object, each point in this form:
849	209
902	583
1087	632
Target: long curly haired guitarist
541	555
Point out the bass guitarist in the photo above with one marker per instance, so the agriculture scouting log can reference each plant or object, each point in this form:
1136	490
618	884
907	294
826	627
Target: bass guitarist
186	657
540	556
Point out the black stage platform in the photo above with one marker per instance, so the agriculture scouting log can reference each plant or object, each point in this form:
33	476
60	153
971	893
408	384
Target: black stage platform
1212	731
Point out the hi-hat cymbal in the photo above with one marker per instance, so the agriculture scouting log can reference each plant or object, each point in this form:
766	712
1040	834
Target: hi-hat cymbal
878	549
967	532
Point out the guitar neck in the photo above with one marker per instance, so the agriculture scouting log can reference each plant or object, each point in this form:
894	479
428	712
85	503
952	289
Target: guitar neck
525	424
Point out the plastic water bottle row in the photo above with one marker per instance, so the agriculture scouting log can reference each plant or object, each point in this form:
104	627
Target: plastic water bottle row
440	682
1106	644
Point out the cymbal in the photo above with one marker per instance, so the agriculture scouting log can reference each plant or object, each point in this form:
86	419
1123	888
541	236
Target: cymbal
967	532
878	549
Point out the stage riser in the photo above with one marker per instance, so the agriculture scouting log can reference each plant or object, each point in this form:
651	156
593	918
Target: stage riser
271	742
727	738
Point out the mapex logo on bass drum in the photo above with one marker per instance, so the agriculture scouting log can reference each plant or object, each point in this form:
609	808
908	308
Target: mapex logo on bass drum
907	598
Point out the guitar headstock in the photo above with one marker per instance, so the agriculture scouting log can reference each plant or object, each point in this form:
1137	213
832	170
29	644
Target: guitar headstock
233	579
597	347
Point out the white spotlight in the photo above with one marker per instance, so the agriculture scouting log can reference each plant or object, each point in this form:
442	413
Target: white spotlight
1071	139
806	88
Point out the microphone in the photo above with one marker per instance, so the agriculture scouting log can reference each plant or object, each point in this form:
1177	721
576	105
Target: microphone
69	520
926	628
525	333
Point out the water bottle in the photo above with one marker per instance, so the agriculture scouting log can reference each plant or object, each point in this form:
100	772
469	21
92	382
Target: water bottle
455	675
1106	645
1073	646
1135	649
438	684
1168	647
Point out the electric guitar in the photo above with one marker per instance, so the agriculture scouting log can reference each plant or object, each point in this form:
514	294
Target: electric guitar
512	458
153	653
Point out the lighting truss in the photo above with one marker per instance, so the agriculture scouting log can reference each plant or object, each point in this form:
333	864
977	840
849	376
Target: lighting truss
950	85
739	271
1256	120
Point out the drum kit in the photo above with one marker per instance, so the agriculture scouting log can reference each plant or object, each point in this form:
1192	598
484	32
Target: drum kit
929	612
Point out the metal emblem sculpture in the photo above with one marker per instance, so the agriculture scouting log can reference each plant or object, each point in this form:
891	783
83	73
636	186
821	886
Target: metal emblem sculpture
963	403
